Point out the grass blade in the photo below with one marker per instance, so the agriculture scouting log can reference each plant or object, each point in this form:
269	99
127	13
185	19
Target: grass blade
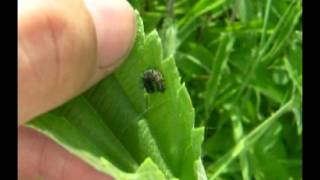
219	63
243	145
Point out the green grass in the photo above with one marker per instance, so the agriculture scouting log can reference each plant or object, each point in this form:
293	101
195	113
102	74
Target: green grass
241	61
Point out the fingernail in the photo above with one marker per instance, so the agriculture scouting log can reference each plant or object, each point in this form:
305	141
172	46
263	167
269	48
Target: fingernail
115	25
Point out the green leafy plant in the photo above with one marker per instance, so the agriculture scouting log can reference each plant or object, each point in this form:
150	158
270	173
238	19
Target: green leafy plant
242	64
237	114
120	129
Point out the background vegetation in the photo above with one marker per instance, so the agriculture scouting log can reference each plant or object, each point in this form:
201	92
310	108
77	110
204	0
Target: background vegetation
241	61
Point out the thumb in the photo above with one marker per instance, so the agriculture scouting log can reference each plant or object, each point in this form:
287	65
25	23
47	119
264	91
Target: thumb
65	46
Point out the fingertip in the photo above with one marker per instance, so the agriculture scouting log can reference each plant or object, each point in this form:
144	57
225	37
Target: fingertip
62	51
115	26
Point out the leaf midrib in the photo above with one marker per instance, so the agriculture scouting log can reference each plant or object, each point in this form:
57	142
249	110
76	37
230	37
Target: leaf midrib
143	118
106	127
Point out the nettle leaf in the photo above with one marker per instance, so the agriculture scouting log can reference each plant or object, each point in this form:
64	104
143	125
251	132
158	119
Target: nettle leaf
123	131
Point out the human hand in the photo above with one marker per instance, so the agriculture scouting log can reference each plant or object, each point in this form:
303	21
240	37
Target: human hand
64	47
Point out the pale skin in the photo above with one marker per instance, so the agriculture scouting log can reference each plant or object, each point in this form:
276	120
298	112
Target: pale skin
64	47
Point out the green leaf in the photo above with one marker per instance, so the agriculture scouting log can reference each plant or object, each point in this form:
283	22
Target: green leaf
263	83
247	141
263	71
266	20
151	20
200	8
281	33
169	37
244	10
188	23
267	153
123	131
218	65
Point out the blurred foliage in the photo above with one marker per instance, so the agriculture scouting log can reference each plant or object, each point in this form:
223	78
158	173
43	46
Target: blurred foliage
241	61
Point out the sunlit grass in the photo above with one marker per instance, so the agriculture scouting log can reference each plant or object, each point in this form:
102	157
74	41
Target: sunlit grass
241	61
